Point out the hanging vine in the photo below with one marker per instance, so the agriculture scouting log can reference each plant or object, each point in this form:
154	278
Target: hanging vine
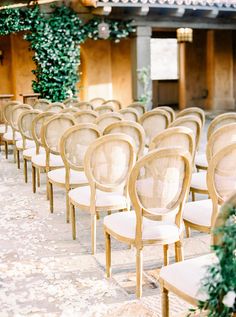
55	39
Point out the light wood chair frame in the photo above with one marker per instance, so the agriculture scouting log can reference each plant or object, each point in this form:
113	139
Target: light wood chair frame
58	105
93	209
104	109
128	124
86	112
37	103
108	115
193	111
96	100
70	102
129	110
170	111
141	212
139	106
117	103
217	120
81	105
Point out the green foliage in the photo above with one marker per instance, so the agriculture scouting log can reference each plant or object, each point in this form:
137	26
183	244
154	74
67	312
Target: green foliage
55	39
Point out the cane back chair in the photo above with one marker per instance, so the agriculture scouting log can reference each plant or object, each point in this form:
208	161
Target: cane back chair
193	111
41	104
114	103
139	106
70	102
106	119
104	109
84	105
107	163
158	185
129	114
55	107
86	116
96	102
73	145
170	111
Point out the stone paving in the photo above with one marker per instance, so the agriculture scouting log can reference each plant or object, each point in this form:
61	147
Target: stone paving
44	273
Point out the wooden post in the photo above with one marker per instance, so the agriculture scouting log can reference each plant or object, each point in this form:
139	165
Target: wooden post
182	75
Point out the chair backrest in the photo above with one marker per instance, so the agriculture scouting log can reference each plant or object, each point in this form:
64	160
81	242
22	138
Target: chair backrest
7	110
104	109
108	162
84	105
52	131
193	111
96	102
106	119
15	114
154	122
37	124
55	107
180	137
41	104
139	106
70	102
133	129
221	177
191	122
71	110
170	111
25	124
85	116
159	184
114	103
222	137
219	121
130	114
74	143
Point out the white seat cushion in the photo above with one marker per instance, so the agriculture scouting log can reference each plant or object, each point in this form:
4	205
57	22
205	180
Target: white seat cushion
199	181
186	276
201	160
106	200
28	153
198	212
59	176
124	224
28	144
2	128
40	160
9	136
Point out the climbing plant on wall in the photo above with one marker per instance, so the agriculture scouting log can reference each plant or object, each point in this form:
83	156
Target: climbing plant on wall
55	39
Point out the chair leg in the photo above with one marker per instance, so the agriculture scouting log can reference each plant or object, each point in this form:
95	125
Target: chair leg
179	251
193	196
73	222
34	179
38	177
139	272
6	149
47	188
188	231
166	254
14	152
108	212
18	158
93	232
67	207
25	171
108	253
165	302
50	188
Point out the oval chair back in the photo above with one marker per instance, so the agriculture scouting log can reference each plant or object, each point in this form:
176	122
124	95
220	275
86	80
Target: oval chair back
133	129
96	102
86	116
41	104
154	122
139	106
104	109
7	110
25	124
55	107
170	111
70	102
15	114
193	111
106	119
219	121
130	114
71	110
84	105
114	103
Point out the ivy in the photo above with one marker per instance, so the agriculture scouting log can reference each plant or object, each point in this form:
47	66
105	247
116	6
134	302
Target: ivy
55	39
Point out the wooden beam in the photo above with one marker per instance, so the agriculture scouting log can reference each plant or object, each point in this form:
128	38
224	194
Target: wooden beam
102	11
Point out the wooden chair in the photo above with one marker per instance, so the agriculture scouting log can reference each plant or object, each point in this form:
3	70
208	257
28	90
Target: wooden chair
193	111
221	182
104	109
139	106
96	102
85	116
133	129
84	105
70	102
154	122
184	278
114	103
73	145
158	185
25	128
6	128
70	110
41	104
106	119
170	111
17	139
107	164
181	137
129	114
55	107
219	121
223	136
51	132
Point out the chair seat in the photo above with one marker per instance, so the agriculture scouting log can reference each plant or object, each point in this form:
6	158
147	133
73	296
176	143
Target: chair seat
104	200
201	160
28	153
186	276
198	212
9	136
2	128
28	144
40	160
59	176
124	225
199	181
